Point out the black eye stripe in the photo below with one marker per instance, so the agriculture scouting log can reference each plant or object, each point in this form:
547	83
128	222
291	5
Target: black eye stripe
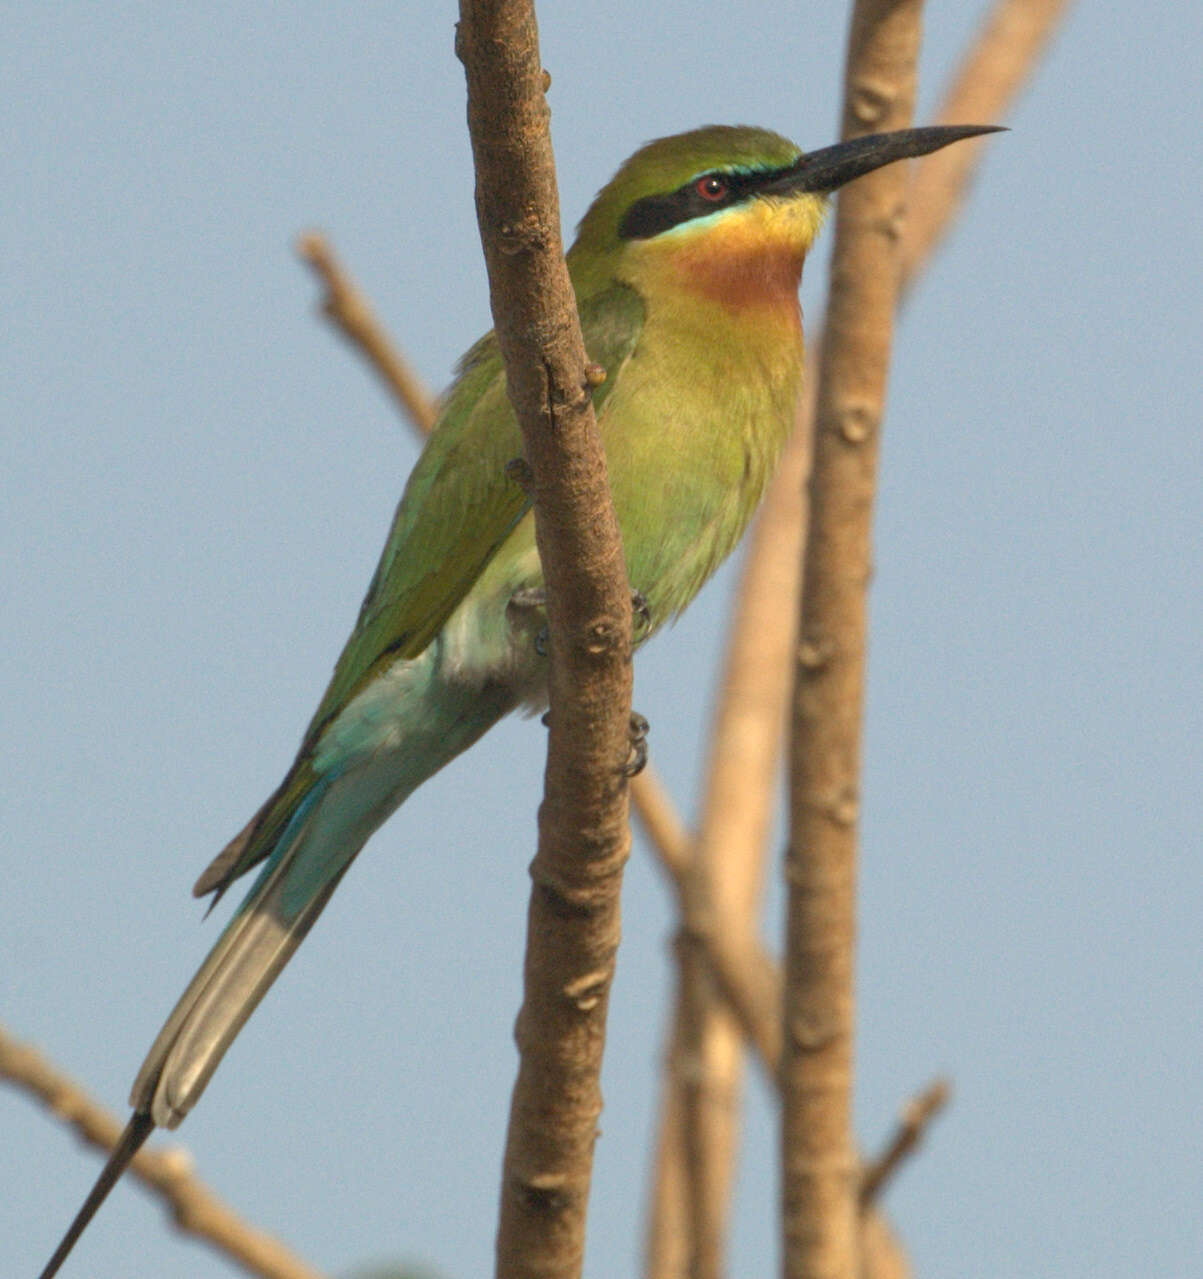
655	214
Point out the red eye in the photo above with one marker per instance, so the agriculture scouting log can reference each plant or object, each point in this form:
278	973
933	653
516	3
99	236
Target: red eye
711	187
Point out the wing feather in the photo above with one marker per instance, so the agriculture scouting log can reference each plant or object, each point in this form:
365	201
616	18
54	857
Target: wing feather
458	507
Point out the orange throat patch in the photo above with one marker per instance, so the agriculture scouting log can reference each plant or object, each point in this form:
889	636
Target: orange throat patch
748	259
759	277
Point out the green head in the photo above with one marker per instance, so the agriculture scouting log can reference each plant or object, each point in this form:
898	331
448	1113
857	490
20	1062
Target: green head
729	193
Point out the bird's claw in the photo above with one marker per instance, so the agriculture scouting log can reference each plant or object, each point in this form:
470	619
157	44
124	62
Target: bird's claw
637	759
637	736
532	597
642	614
528	597
518	470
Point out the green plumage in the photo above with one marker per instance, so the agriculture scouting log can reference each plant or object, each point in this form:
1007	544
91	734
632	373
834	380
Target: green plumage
697	401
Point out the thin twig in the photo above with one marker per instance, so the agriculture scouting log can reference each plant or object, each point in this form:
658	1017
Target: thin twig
350	311
916	1117
193	1207
662	824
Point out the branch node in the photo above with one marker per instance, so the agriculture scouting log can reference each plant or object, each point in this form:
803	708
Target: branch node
525	236
813	1032
177	1163
546	1193
856	421
815	652
587	991
870	101
843	807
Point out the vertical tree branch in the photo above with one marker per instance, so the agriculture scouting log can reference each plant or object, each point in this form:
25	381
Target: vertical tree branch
726	878
819	1162
573	922
1011	40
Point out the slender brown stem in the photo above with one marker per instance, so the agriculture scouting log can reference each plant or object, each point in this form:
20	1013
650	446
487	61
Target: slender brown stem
352	313
573	922
667	1234
917	1115
730	988
819	1161
662	824
193	1207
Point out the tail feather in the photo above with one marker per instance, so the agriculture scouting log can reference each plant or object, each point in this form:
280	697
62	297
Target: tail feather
311	831
136	1132
236	974
264	832
215	878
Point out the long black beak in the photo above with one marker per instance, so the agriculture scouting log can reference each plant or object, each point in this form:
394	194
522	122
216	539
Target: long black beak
832	167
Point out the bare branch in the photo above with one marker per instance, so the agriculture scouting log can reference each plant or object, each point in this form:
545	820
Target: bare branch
663	826
573	923
193	1207
1010	45
667	1234
916	1117
351	312
819	1162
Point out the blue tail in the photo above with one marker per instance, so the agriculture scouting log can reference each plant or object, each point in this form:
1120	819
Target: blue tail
383	746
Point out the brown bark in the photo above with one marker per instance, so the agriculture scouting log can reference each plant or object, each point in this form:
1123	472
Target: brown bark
917	1116
819	1160
351	312
573	922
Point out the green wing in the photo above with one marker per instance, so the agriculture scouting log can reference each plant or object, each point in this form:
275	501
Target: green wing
460	504
458	507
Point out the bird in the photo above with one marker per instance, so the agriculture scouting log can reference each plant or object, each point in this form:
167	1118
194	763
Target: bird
686	269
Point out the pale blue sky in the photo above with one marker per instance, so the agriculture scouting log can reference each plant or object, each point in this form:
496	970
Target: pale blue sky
197	480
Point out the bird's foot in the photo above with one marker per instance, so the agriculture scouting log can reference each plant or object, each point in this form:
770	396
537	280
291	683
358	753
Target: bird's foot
637	735
642	615
527	598
533	597
518	470
637	759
